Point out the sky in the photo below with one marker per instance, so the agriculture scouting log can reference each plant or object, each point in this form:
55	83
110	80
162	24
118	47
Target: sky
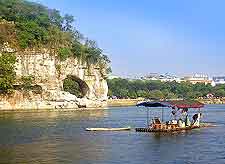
180	37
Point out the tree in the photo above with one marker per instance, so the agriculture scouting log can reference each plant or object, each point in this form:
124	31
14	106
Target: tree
68	19
171	95
156	94
64	53
153	85
28	25
37	26
7	73
219	93
162	90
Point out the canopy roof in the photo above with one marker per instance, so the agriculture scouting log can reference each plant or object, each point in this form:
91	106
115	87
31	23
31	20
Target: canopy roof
186	104
153	104
176	103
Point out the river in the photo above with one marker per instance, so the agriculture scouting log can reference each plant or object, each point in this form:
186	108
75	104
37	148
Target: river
60	137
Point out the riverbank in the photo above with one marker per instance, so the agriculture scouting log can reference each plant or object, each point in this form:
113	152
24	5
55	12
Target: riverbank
2	111
110	103
212	101
132	102
122	102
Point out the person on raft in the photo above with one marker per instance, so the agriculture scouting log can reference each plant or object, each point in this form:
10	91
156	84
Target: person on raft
196	119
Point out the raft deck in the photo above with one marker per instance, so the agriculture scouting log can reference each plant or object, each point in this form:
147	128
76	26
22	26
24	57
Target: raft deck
203	125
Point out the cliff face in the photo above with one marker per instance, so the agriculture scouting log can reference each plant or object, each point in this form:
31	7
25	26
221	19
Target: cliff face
49	73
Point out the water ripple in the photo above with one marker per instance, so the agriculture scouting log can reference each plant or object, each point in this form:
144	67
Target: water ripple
59	137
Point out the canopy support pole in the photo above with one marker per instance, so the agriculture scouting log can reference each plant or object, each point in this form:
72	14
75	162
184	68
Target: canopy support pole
162	114
147	117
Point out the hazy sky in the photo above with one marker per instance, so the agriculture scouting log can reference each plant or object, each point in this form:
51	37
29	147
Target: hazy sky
141	36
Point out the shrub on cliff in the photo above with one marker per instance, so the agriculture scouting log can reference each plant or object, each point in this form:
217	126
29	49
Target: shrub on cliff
27	82
26	25
64	53
7	72
37	26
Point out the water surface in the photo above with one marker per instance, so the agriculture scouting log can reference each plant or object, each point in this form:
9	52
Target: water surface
59	137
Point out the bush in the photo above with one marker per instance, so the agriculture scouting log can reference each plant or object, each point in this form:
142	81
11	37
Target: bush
7	72
64	53
27	82
37	26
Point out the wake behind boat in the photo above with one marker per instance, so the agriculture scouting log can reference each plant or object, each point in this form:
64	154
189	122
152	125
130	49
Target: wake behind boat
108	129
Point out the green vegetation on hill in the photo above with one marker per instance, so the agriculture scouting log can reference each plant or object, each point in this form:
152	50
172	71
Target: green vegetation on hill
123	88
7	73
29	25
37	26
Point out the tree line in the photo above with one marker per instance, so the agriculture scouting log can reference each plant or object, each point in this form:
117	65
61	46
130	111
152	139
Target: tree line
123	88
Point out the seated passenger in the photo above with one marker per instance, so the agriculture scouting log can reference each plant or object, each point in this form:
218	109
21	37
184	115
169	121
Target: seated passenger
181	124
187	121
156	120
173	121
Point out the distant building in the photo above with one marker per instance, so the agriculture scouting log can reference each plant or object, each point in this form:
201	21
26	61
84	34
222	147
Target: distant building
133	77
161	77
111	76
198	78
209	95
218	80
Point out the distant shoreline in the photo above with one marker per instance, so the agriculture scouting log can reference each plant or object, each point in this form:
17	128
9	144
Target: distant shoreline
122	102
110	103
51	110
133	102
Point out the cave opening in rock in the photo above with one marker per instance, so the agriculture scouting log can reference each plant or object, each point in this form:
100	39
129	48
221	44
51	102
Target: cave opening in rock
75	86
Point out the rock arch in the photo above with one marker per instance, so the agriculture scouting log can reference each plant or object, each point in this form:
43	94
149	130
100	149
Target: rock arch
82	84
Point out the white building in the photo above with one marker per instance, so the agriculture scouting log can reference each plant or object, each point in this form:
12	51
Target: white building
111	76
218	80
198	78
162	77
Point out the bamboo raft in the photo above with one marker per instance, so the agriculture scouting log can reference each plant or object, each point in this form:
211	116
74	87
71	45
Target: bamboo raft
203	125
163	130
108	129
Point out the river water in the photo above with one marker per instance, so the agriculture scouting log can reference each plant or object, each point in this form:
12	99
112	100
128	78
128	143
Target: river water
60	137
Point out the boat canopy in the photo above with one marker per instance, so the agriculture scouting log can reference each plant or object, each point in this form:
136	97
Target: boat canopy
181	104
186	104
153	104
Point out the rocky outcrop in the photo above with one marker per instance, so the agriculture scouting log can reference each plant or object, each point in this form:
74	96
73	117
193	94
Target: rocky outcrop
49	73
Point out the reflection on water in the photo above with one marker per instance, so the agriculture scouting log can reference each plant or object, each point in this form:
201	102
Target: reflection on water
60	137
42	136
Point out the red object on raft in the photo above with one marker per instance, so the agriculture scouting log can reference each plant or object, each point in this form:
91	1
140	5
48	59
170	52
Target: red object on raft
186	104
181	104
